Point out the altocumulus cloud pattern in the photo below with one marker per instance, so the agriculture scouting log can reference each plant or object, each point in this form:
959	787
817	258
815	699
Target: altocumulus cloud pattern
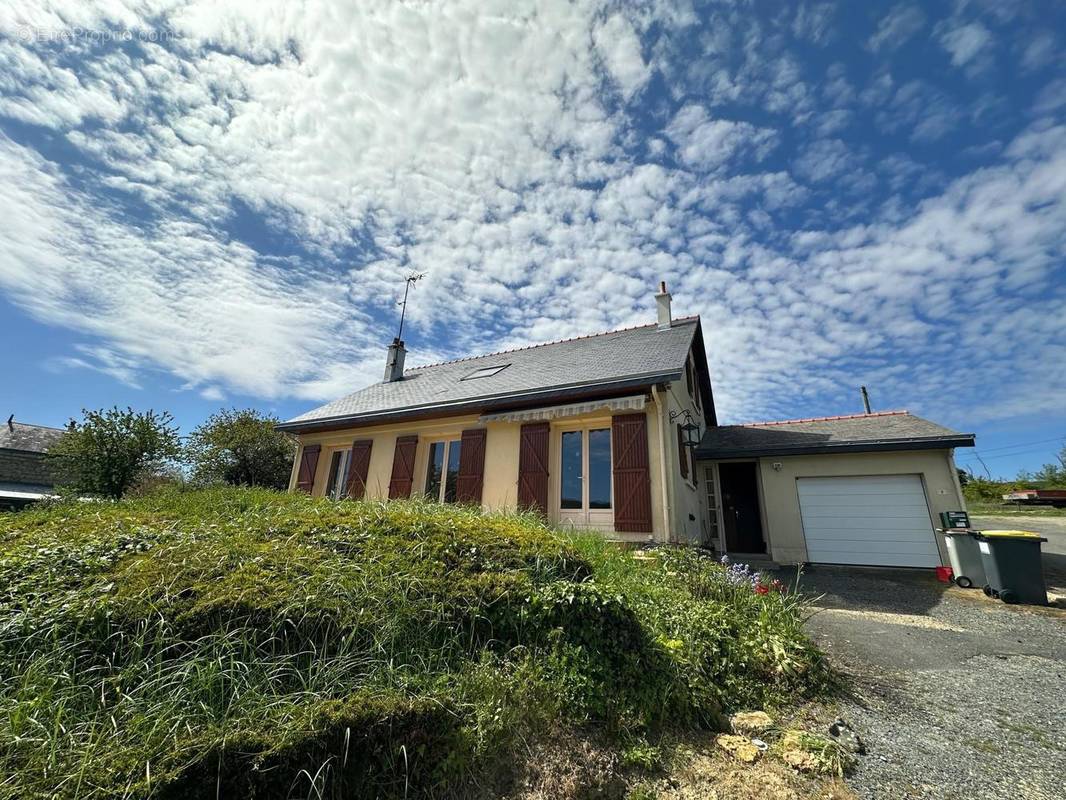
846	192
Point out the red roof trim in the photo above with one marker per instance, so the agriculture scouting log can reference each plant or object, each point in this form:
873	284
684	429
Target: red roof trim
824	419
694	317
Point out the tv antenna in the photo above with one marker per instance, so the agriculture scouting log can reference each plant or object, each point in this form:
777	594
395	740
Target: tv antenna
409	281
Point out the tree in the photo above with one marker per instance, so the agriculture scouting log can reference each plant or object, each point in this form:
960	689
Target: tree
1049	475
240	448
110	450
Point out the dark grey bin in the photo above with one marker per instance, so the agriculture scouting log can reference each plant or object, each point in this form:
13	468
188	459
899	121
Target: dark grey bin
1013	567
965	557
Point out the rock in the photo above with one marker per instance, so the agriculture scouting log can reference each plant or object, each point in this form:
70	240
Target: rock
740	747
847	737
748	722
799	760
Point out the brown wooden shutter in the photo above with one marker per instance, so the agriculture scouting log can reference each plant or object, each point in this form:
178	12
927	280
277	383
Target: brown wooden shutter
471	467
305	477
533	467
682	452
632	483
359	468
403	467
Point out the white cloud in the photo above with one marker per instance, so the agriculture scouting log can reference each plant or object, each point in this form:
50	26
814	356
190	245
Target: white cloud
965	42
1040	50
896	27
823	159
708	143
618	44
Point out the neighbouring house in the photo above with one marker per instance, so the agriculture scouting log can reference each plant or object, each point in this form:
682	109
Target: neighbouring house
617	432
25	475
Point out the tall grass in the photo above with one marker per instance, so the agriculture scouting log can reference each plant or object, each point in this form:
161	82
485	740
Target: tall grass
240	643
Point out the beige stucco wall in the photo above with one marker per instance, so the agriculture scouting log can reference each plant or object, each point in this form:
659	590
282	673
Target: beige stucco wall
500	488
687	498
780	497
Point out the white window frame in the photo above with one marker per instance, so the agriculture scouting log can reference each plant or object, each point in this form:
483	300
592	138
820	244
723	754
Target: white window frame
447	441
584	517
340	481
714	512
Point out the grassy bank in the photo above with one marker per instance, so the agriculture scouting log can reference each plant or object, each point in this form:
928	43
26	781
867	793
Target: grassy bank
979	509
241	643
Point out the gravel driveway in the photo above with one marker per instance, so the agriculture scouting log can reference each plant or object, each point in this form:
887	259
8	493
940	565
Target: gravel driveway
955	695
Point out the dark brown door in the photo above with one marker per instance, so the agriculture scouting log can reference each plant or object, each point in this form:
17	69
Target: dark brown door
740	508
632	484
471	479
305	478
359	468
533	467
403	467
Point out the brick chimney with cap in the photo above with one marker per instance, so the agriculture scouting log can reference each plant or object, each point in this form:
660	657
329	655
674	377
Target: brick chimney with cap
662	300
394	361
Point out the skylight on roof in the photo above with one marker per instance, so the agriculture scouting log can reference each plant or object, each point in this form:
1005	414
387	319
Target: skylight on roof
485	372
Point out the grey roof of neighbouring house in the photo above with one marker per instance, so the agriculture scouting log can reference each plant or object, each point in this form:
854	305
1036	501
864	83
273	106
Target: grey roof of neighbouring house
885	430
31	438
615	360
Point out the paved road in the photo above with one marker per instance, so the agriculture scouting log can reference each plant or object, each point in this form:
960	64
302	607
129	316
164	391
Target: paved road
956	695
1054	550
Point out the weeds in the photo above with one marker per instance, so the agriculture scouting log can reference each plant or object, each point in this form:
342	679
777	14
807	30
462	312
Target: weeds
246	643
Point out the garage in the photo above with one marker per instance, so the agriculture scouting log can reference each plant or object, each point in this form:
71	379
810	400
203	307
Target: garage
878	520
857	489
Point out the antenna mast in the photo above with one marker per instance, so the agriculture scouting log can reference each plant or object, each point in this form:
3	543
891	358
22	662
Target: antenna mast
409	281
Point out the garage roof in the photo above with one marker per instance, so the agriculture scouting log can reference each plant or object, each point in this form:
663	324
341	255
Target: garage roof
855	433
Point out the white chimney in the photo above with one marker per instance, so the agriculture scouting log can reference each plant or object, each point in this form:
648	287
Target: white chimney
394	361
662	299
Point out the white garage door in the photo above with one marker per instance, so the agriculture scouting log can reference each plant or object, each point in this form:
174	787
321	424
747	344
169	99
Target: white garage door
880	520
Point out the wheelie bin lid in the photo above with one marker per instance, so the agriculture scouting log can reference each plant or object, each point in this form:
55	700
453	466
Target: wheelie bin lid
1031	535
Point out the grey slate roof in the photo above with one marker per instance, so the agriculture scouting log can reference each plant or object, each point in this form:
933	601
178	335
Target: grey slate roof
615	359
32	438
886	430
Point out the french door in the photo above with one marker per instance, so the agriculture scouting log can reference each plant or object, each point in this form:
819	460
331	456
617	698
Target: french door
585	485
442	472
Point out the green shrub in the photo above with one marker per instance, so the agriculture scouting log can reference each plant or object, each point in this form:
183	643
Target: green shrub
265	645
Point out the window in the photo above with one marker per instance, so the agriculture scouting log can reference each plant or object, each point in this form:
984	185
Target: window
336	486
693	378
682	453
712	501
585	470
443	470
485	372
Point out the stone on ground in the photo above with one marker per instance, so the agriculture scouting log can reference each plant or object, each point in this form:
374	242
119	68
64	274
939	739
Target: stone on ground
740	747
748	722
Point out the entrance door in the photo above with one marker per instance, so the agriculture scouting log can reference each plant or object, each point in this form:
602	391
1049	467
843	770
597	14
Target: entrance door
741	519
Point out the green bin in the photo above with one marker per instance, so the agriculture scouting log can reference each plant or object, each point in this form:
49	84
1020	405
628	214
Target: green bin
965	557
1012	564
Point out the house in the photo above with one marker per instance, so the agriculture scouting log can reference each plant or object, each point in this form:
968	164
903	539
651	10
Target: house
25	475
617	432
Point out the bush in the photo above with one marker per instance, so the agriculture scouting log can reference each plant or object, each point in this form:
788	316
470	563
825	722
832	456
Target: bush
111	450
267	645
241	448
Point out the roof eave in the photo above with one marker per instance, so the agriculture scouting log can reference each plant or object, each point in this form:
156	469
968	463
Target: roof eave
867	446
485	403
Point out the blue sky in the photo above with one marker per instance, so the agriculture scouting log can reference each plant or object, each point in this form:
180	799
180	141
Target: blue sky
214	204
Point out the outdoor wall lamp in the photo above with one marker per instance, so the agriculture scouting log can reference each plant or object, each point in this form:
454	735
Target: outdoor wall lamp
690	431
